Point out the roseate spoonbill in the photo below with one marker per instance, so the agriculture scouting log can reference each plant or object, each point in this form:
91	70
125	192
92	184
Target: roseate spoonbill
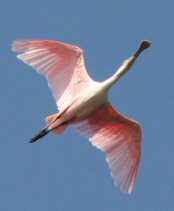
84	102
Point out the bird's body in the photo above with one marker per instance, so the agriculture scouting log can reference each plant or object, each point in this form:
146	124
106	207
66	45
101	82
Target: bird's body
82	106
84	102
87	101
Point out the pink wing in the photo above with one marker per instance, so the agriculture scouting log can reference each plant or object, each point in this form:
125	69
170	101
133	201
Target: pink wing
120	138
62	64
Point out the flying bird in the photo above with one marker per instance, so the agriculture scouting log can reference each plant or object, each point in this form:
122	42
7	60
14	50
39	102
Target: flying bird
84	102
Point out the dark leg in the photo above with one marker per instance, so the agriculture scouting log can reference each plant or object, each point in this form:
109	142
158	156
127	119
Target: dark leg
46	130
39	135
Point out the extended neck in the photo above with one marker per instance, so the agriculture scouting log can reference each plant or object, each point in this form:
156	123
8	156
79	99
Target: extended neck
127	64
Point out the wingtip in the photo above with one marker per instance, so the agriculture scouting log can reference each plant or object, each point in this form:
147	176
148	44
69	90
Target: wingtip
17	44
13	48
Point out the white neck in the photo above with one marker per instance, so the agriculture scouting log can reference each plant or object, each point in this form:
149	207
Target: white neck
126	65
120	72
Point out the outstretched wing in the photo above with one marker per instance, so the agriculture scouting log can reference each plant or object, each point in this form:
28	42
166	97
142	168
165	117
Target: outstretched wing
62	64
120	138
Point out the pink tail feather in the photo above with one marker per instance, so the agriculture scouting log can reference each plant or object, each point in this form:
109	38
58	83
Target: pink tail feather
50	122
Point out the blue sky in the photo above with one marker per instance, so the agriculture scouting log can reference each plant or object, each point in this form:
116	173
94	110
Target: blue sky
67	173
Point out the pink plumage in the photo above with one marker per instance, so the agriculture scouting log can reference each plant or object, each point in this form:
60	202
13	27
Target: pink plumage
84	102
120	139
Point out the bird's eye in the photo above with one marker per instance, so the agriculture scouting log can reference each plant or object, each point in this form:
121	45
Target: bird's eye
125	62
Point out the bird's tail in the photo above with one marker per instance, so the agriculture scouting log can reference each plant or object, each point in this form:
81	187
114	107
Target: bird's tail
54	123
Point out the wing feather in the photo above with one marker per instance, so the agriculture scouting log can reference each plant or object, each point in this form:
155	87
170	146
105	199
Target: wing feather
62	64
120	138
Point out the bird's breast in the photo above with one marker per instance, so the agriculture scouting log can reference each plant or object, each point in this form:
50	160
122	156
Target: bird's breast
87	102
